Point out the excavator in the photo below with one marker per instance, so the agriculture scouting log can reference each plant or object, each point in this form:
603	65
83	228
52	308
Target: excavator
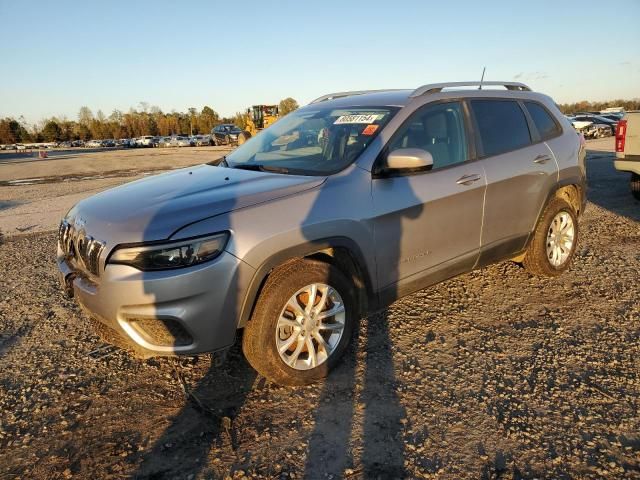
257	118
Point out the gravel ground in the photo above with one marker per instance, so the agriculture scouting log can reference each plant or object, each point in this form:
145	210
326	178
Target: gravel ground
494	374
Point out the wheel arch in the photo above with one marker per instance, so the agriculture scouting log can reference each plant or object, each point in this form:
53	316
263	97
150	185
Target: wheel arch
342	252
570	189
572	193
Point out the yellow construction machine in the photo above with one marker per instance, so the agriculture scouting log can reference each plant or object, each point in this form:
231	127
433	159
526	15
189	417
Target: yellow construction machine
257	118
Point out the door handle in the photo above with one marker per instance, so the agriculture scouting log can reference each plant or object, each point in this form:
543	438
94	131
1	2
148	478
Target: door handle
468	179
542	159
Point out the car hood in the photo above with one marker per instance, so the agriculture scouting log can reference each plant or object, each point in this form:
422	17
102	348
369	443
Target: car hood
156	207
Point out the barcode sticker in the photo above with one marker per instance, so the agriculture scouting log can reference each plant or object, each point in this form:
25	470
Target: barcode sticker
343	119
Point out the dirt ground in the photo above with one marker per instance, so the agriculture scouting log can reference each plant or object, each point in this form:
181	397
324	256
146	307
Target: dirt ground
35	194
494	374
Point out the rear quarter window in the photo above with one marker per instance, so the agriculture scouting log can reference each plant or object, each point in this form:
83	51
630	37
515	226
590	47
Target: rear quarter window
544	122
502	126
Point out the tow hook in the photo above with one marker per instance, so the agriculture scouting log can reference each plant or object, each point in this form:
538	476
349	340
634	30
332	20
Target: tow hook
68	284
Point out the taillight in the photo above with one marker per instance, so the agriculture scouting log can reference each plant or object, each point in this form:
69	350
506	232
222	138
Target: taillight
620	135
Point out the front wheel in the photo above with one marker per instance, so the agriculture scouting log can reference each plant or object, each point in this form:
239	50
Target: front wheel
243	137
302	323
554	240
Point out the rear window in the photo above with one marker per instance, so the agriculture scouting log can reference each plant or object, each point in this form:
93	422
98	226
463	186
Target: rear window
543	120
501	124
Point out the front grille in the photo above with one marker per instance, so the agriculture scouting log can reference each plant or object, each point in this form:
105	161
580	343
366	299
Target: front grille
80	247
164	332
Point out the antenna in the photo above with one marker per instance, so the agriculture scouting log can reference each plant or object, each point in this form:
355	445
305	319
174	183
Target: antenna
482	78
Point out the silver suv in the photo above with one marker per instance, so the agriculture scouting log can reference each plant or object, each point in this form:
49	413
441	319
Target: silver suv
334	212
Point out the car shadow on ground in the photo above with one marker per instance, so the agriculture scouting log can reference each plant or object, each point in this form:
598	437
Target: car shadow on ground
206	421
609	188
351	400
351	403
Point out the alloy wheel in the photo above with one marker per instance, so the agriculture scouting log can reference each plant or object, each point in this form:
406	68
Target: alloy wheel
560	238
310	326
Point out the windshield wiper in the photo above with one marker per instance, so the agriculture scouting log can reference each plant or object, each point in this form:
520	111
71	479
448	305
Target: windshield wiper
257	167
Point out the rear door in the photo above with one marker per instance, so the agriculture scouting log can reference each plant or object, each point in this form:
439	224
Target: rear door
427	225
520	169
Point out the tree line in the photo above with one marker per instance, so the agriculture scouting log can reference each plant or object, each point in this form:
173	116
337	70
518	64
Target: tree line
151	120
145	120
585	106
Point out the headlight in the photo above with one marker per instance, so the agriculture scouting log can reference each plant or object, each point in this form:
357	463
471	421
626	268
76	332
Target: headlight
165	256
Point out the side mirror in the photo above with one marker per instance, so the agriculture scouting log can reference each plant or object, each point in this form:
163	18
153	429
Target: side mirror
405	161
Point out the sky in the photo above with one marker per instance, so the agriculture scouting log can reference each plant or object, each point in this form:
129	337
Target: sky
56	56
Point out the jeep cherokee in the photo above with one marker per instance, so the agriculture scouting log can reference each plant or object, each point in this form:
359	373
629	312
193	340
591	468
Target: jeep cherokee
335	211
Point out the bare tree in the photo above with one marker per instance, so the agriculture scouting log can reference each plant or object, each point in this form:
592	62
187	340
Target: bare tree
85	116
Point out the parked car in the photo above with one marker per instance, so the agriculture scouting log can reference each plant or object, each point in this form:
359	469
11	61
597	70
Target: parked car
145	141
590	128
164	142
93	143
616	117
628	149
333	212
202	140
225	134
180	141
108	142
597	120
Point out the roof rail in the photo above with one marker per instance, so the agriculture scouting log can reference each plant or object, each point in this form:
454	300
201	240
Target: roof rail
331	96
438	87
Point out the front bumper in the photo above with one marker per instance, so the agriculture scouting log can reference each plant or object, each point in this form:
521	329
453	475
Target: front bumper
183	311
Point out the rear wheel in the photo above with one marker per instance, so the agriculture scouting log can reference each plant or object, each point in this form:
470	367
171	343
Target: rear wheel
635	185
302	323
554	240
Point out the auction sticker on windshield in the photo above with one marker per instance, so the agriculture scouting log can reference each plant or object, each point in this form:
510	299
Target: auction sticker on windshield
356	119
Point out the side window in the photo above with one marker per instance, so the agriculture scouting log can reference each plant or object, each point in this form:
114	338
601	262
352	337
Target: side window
438	129
543	120
501	124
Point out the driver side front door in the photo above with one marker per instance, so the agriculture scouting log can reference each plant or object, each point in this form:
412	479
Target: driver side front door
427	226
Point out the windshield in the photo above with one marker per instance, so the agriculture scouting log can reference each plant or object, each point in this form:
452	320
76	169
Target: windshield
313	141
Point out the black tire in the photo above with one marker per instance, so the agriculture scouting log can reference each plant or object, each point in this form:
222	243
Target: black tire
635	185
243	137
536	260
259	342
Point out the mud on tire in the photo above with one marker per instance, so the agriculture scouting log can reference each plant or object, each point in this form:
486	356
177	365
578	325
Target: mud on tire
259	339
536	259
